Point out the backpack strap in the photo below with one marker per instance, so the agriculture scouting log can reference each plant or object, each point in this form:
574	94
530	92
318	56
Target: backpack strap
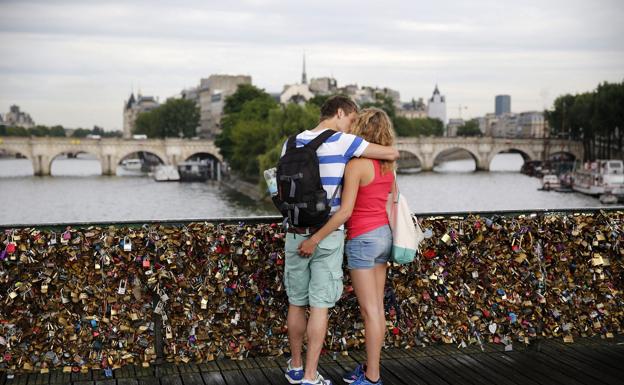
320	139
292	142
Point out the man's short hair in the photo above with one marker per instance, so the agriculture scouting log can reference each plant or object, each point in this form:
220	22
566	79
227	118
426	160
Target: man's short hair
329	109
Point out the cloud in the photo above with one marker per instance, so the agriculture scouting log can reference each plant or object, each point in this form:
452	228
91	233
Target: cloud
74	62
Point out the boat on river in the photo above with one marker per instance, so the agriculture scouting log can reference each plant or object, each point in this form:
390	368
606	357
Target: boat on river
600	177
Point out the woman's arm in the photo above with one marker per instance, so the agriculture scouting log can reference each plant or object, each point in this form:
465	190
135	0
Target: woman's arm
353	173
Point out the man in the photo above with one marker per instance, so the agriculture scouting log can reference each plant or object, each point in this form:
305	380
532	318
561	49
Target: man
316	281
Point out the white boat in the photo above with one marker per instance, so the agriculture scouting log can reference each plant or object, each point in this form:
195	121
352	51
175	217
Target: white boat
600	177
164	173
550	182
608	199
133	164
132	167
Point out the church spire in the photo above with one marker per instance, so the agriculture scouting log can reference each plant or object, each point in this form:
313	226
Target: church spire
304	76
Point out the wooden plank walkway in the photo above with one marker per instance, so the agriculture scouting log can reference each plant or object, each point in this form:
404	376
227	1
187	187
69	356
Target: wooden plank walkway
586	361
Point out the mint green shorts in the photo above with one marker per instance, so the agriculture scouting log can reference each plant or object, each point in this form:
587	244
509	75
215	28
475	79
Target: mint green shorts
317	280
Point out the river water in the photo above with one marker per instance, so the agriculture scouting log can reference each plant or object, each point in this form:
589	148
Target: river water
76	192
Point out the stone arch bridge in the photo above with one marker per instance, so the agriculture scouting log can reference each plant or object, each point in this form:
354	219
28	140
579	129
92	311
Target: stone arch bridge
109	151
484	149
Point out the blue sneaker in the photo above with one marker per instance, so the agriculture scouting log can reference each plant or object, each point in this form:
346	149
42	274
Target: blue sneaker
319	381
294	376
354	374
363	381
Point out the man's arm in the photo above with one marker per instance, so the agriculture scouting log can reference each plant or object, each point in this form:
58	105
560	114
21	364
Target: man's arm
375	151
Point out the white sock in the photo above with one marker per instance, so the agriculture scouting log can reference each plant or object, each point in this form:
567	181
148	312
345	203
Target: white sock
290	367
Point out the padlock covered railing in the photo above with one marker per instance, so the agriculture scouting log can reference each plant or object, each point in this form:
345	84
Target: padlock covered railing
108	294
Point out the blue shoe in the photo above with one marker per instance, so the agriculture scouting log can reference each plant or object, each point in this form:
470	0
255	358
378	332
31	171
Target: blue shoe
354	374
319	381
363	381
294	376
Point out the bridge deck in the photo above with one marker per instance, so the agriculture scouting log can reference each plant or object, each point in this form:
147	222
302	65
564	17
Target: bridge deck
587	361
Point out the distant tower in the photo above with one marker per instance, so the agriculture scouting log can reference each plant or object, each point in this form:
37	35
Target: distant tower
304	77
503	104
436	108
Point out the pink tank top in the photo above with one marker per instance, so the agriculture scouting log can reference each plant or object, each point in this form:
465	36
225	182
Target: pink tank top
369	211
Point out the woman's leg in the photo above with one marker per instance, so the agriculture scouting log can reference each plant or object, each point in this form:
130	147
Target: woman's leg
371	307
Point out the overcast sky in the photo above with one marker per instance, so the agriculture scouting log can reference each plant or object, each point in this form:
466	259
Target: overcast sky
75	62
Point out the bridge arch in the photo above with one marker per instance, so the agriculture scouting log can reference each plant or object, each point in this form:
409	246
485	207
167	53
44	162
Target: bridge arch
201	155
446	149
43	162
562	155
409	160
16	149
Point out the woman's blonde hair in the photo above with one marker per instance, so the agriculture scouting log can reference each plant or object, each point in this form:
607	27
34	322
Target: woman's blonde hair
375	126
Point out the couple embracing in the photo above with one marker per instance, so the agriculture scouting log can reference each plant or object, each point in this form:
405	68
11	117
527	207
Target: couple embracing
355	160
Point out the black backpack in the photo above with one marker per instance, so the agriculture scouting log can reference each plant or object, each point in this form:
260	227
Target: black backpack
301	197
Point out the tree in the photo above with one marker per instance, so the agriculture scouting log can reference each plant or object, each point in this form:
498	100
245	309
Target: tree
470	128
596	118
384	102
418	126
81	133
58	131
247	104
175	118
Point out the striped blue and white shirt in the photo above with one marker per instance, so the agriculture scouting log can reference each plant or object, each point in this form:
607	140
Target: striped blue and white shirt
333	155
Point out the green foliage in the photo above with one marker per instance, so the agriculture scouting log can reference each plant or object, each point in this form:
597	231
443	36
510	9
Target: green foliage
418	127
175	118
596	118
37	131
384	102
470	128
319	100
81	133
256	127
249	104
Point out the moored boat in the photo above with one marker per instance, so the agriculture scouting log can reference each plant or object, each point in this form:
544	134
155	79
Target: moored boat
600	177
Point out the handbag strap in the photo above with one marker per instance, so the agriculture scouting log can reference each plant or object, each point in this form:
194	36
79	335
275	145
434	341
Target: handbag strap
395	195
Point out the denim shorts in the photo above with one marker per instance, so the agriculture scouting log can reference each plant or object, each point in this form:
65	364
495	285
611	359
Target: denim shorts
368	249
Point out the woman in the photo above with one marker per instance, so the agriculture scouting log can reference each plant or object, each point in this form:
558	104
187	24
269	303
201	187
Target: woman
369	239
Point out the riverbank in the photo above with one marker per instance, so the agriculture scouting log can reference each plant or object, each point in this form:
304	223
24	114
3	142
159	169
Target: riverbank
248	189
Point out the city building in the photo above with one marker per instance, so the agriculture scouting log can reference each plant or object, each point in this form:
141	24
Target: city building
453	125
416	109
298	93
212	94
209	96
531	124
2	121
323	86
506	126
487	124
17	118
133	107
436	107
503	104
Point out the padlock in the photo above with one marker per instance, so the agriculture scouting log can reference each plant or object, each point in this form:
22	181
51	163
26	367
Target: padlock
44	288
127	245
52	240
168	332
204	303
10	248
146	262
122	287
66	237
